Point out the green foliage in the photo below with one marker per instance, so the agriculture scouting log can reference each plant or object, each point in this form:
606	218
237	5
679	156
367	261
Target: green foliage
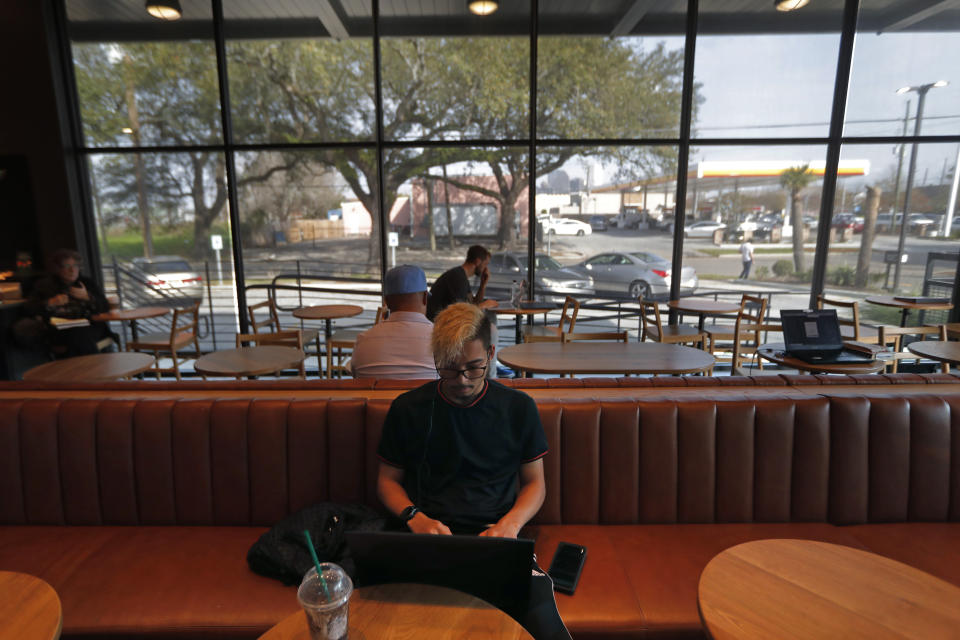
783	268
763	272
842	276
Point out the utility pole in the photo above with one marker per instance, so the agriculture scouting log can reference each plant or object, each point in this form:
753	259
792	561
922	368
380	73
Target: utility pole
922	93
896	185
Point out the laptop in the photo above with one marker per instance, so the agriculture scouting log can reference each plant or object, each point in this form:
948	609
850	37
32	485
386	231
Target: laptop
491	569
814	337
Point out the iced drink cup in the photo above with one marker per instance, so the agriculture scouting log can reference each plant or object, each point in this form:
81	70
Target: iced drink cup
327	610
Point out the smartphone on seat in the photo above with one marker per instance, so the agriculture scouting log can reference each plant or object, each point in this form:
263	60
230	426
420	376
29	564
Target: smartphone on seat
566	566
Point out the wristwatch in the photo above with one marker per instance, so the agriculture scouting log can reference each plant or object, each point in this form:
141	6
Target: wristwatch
407	514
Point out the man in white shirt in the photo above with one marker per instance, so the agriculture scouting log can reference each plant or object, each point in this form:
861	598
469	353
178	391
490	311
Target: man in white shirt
746	255
399	347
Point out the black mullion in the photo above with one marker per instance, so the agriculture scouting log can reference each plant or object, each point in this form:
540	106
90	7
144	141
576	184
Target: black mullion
829	190
239	281
899	139
532	160
68	109
378	140
683	155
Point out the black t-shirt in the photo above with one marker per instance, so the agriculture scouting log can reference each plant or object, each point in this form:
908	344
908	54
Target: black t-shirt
453	286
468	476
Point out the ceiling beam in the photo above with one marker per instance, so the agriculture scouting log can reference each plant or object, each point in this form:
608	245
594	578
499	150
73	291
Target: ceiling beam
331	21
631	18
913	15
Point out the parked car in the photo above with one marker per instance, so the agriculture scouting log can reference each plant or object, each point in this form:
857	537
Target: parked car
553	281
170	278
598	223
702	229
633	274
811	222
566	227
841	221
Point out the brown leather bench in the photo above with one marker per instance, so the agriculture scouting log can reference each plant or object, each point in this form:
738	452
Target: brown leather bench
140	511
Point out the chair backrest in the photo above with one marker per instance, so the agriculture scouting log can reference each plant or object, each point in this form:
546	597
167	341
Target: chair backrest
649	316
753	309
272	320
853	321
185	321
571	306
287	338
892	336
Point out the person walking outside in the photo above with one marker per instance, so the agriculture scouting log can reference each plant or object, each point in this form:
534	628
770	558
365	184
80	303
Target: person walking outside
746	254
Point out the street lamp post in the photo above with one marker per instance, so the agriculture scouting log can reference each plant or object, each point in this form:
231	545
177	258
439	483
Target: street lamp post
921	98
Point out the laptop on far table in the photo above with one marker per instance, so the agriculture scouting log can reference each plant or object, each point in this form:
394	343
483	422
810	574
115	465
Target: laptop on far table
492	569
814	337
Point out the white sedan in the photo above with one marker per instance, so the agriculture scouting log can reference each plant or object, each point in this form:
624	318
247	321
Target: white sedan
702	229
568	227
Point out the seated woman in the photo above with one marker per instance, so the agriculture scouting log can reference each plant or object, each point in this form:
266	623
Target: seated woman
66	294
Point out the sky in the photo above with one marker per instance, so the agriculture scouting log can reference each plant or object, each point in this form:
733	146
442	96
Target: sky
782	85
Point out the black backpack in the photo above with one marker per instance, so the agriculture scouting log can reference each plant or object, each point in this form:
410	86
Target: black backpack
282	552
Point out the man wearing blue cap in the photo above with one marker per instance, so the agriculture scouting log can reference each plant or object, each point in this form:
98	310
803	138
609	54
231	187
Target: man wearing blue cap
398	347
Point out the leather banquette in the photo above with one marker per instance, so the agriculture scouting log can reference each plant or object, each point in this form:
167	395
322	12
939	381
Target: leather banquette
139	510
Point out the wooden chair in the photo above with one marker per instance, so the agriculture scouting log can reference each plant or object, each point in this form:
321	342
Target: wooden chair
892	337
286	338
571	306
653	329
272	323
183	331
850	328
745	332
339	363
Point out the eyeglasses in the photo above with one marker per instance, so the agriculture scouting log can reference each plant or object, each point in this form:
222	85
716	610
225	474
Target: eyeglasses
470	373
70	265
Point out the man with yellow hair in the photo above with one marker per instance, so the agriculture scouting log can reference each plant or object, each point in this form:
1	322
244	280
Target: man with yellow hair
465	455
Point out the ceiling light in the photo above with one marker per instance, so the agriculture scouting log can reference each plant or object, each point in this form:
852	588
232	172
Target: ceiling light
789	5
164	9
483	7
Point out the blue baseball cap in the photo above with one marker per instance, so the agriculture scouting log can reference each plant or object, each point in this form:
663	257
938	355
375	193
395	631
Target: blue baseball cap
406	278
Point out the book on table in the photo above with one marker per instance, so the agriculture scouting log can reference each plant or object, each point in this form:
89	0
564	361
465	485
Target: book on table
922	299
68	323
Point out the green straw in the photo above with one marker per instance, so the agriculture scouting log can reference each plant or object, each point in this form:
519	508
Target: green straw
316	563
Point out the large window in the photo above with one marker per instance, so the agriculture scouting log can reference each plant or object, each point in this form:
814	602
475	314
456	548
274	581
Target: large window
568	149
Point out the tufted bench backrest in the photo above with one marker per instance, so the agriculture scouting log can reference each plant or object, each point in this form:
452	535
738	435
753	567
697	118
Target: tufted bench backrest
252	461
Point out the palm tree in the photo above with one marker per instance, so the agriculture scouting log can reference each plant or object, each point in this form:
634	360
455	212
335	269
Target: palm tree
794	180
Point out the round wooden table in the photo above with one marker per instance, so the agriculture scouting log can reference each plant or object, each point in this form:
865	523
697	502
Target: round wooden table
523	311
703	308
774	353
29	608
615	358
906	306
327	312
939	350
806	589
249	361
131	316
97	367
417	611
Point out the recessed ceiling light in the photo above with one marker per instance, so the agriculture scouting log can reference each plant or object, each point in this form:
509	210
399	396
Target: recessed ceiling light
789	5
482	7
165	9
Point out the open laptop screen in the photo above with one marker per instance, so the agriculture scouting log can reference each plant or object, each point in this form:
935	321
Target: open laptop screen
805	331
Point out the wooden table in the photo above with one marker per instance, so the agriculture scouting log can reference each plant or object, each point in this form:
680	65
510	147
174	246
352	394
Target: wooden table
703	308
939	350
615	358
806	589
131	316
327	312
905	307
97	367
773	352
519	313
418	611
249	361
29	608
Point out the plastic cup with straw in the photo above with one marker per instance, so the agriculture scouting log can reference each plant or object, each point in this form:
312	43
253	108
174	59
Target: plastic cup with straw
327	603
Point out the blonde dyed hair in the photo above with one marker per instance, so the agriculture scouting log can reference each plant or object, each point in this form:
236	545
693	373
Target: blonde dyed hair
454	327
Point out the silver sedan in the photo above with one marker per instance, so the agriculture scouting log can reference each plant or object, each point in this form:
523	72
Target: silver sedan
634	274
